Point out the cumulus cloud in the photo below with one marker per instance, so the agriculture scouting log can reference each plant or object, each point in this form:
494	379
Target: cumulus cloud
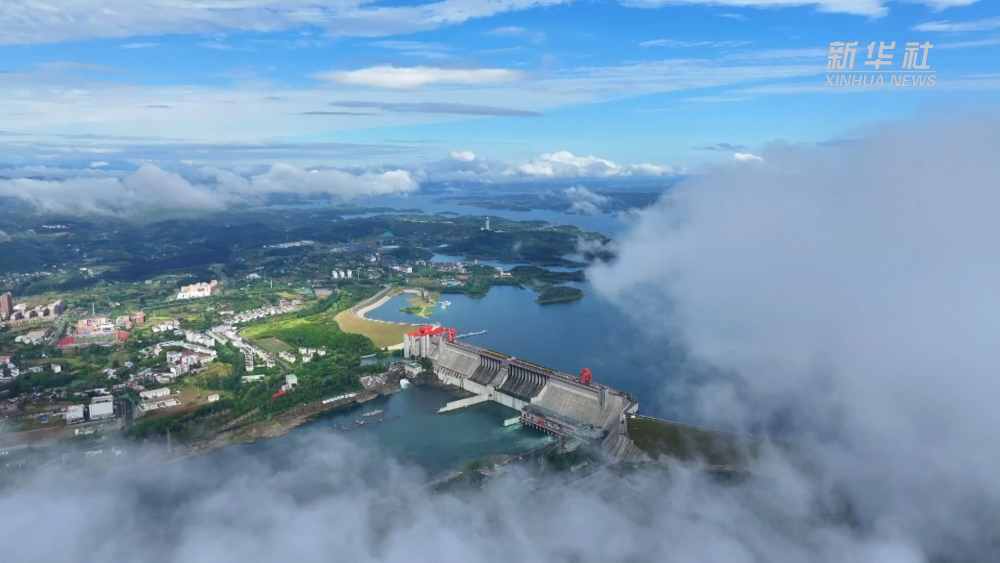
388	76
564	164
584	201
747	157
464	156
98	164
848	299
151	187
464	165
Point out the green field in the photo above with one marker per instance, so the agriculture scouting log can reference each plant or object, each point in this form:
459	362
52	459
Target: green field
273	345
316	330
688	443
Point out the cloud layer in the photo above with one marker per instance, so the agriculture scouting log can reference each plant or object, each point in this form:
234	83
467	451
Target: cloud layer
100	188
65	20
846	298
388	76
151	187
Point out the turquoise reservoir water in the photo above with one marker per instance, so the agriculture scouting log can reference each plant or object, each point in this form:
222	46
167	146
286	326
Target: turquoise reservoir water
420	436
589	332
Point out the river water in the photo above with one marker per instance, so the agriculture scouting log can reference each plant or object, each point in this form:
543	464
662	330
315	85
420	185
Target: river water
436	443
590	332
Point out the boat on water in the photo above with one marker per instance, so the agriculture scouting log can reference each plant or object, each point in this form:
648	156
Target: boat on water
373	413
444	304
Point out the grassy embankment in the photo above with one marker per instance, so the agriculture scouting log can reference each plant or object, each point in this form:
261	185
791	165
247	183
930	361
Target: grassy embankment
688	443
382	334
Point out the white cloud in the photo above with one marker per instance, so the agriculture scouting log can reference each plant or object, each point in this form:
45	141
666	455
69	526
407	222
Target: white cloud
24	22
849	297
64	20
680	43
584	201
465	165
564	164
388	76
969	44
98	164
417	48
151	187
508	30
517	31
139	45
952	27
465	156
747	157
872	8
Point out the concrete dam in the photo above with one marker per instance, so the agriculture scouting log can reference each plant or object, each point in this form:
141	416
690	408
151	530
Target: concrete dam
548	400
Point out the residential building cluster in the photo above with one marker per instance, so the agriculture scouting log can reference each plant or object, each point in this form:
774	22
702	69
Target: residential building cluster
167	325
128	322
291	244
197	290
284	306
342	274
19	313
226	334
307	355
449	267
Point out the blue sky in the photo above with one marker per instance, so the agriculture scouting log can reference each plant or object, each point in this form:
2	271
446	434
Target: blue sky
361	84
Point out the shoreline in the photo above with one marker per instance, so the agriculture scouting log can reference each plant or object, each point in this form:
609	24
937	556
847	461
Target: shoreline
284	423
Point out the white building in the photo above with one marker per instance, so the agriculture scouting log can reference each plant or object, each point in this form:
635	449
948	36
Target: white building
74	414
335	274
102	407
213	398
251	378
56	368
154	393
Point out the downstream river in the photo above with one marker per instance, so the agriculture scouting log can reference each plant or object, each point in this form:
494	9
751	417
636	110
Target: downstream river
420	437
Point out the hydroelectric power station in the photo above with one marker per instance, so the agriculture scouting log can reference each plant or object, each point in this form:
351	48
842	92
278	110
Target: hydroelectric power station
548	400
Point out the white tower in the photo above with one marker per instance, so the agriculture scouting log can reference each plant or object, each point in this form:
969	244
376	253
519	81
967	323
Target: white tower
487	223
